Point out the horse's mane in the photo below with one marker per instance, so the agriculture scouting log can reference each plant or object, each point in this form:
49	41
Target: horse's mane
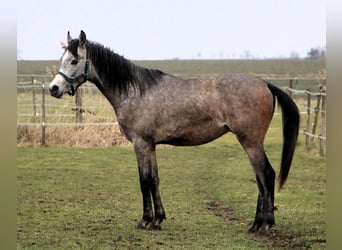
120	73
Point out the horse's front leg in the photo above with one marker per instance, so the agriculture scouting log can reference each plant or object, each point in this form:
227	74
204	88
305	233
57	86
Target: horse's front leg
145	187
149	184
159	212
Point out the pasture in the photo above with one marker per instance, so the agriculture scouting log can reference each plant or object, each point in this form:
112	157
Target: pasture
89	197
79	198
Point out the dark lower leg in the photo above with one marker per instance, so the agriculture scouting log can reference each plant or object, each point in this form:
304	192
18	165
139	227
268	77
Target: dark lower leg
144	153
269	220
265	176
159	213
268	197
147	208
259	214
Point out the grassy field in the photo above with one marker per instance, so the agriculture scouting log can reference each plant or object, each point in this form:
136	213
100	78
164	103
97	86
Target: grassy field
89	198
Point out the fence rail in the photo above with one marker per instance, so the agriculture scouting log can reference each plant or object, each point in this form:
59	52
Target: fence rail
35	108
318	110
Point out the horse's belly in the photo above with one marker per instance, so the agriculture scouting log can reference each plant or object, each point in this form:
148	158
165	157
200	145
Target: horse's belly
194	135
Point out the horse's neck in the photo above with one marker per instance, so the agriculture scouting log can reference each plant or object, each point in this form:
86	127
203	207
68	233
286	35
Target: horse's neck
115	98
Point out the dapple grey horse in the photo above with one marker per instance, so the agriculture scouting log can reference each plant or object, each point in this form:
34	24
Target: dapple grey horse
153	107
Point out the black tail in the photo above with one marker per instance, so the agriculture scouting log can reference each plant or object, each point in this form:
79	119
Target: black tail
291	120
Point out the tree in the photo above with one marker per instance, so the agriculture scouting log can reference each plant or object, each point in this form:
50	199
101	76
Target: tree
316	53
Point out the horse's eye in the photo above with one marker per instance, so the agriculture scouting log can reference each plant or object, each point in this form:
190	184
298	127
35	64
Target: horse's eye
74	62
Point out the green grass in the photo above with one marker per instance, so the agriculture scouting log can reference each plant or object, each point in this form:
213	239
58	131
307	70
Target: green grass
89	198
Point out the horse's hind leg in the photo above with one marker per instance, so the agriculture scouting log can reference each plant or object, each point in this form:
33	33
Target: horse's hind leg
264	217
265	176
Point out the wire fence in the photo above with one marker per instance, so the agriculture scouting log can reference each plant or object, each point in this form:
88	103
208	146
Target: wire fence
315	117
36	108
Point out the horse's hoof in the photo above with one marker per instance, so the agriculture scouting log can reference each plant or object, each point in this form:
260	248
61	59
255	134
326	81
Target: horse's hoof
261	228
142	224
155	226
264	229
254	228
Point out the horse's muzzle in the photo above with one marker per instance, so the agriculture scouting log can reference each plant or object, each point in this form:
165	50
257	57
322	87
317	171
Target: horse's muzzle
55	91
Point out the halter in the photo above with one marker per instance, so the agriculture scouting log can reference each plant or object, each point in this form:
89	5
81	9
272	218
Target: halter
78	79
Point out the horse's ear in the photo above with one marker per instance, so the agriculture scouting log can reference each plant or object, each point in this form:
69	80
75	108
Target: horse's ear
63	45
82	38
69	39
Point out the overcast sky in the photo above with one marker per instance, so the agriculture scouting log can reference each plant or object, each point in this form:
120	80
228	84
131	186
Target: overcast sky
168	29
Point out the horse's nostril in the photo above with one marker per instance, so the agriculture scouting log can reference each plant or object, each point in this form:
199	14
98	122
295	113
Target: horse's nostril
54	89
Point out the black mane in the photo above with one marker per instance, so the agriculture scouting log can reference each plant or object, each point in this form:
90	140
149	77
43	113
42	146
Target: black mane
116	70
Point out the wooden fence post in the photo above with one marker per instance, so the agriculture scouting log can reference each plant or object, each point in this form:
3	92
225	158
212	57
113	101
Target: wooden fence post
43	115
78	103
322	141
290	86
308	109
34	99
317	108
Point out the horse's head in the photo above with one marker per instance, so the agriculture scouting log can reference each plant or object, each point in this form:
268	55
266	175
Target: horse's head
74	69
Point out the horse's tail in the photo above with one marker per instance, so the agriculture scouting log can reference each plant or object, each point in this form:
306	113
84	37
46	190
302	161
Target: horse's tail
291	120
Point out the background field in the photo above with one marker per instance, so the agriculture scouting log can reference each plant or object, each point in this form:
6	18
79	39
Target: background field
83	197
189	68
